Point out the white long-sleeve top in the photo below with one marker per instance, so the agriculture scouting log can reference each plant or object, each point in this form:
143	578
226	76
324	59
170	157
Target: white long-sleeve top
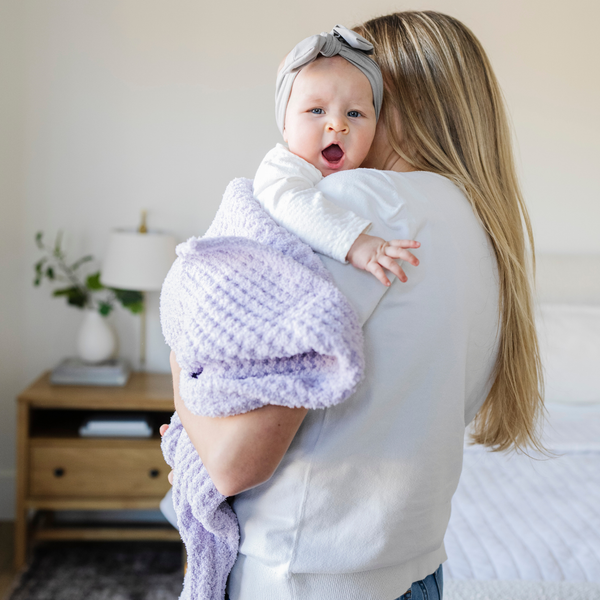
358	507
284	185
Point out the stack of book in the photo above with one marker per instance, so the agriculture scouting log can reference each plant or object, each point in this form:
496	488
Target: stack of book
115	425
73	371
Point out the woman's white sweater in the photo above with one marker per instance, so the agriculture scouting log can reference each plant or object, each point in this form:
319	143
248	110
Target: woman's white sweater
358	508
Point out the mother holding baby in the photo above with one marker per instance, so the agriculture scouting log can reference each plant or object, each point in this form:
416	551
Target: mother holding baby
352	502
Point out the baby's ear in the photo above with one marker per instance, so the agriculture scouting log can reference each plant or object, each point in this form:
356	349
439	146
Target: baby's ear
285	135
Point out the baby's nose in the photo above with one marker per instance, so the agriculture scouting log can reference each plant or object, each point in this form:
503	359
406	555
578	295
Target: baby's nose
338	125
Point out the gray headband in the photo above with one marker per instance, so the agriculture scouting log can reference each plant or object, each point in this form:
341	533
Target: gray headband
345	42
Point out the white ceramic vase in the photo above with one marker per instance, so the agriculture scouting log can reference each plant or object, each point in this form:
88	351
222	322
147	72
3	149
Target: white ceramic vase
96	340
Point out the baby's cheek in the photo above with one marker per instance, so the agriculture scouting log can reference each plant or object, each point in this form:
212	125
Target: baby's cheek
356	159
311	157
362	148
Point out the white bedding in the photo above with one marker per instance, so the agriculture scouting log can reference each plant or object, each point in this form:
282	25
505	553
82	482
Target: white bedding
456	589
516	518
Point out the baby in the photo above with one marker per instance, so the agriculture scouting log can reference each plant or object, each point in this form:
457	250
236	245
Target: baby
328	100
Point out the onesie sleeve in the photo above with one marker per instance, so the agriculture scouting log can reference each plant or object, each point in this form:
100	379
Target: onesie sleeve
285	184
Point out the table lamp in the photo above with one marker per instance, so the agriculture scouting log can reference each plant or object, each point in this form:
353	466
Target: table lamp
138	260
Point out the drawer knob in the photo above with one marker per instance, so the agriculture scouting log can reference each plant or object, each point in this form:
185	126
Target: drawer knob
59	472
154	473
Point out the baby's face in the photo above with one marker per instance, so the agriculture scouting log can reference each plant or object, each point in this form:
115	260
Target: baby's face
330	118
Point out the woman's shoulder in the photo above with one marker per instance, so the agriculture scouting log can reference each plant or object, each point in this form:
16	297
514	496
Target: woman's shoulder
388	181
412	181
371	190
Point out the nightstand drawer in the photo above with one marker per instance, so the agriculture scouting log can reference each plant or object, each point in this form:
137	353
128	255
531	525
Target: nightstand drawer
97	468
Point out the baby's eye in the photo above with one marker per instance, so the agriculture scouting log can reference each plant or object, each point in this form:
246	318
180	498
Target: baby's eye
353	113
317	111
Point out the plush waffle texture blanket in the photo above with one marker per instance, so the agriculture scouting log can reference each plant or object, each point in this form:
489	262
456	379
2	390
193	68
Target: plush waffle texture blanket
254	319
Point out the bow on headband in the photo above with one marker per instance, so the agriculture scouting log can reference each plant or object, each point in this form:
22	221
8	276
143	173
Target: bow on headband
341	41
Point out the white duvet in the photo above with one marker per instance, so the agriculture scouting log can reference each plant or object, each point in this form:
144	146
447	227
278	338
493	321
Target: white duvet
457	589
516	518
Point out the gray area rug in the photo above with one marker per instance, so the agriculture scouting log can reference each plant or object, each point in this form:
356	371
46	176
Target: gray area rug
103	571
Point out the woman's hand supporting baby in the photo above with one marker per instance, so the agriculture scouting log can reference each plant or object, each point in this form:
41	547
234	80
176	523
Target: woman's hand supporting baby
374	254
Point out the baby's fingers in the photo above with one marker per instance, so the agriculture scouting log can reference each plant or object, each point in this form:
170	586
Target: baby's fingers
376	269
163	429
400	253
391	265
405	243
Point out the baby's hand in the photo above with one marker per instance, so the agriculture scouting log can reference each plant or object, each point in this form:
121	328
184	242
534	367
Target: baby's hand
373	254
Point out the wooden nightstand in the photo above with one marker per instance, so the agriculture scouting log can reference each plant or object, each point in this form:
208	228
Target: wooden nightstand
58	470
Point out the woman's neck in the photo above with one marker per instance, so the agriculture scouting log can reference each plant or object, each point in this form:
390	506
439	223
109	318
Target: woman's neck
383	157
396	163
388	160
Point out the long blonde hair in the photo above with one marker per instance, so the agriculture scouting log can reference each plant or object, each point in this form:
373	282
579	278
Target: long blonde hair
440	82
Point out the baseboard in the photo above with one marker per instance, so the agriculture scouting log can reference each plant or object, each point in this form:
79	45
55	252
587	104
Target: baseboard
7	495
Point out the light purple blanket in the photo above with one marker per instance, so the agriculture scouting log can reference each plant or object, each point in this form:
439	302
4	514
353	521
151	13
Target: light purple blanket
254	319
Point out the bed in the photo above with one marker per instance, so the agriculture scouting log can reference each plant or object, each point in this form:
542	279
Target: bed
528	527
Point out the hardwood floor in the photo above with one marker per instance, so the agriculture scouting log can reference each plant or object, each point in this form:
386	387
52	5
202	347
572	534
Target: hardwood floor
7	529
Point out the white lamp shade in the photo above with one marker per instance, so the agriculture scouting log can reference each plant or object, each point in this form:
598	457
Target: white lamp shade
137	261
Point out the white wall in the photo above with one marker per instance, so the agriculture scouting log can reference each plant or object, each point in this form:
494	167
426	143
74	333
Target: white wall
110	106
12	224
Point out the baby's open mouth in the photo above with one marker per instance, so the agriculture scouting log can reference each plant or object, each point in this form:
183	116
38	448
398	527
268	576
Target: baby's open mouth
333	153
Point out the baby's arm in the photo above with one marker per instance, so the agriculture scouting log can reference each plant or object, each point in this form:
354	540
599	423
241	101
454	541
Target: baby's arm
285	187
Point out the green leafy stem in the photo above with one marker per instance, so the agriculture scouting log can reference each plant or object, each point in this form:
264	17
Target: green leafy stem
82	292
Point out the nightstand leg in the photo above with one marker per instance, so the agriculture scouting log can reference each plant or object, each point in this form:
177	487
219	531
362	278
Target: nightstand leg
20	539
22	470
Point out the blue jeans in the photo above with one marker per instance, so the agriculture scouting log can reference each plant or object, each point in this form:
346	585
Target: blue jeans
430	588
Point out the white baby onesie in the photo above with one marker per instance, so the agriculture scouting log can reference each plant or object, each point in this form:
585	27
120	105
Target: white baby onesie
284	185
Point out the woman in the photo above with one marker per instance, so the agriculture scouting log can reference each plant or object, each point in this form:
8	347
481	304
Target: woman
355	499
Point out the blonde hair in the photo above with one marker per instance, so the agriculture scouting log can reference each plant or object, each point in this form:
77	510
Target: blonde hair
440	82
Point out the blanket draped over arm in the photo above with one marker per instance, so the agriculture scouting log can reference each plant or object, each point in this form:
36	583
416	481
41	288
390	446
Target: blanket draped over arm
254	319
